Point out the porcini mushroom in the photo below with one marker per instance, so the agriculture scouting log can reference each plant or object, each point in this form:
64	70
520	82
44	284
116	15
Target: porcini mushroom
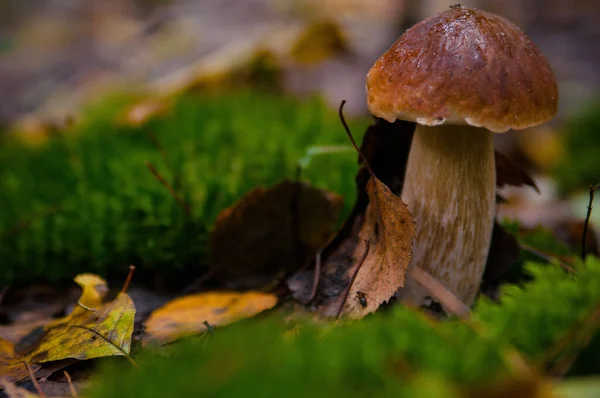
461	75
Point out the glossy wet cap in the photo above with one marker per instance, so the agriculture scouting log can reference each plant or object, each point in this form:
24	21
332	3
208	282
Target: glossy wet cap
464	66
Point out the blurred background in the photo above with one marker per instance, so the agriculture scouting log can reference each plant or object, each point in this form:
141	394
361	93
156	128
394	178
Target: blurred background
57	54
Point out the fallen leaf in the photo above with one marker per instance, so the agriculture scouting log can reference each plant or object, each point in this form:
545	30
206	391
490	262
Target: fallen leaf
271	232
87	334
11	368
191	314
12	391
390	231
377	218
509	173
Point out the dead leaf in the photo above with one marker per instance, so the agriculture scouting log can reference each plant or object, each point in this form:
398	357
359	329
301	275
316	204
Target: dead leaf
509	173
390	231
12	391
11	368
89	333
271	232
191	314
385	147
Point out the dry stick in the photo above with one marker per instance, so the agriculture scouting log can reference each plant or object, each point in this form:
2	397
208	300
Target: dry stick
186	208
580	333
126	355
295	217
34	380
440	292
3	293
316	277
358	267
157	144
349	134
548	257
71	386
512	359
128	280
586	223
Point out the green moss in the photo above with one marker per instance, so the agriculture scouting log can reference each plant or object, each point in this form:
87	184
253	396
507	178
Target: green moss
579	167
113	212
385	354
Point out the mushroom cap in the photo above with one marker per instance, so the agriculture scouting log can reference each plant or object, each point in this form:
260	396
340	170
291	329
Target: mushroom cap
464	66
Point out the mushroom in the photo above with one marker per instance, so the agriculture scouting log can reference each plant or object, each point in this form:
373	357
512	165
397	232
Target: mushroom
461	75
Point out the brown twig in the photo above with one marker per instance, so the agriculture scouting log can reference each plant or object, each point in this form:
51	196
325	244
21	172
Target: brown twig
316	277
514	362
580	333
441	293
158	145
71	386
34	380
586	223
185	206
353	277
195	285
3	293
128	280
349	134
562	261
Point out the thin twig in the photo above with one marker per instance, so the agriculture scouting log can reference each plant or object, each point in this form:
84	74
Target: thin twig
185	206
349	133
34	381
316	277
549	257
441	293
158	145
128	280
513	360
358	267
126	355
71	386
3	293
586	223
581	332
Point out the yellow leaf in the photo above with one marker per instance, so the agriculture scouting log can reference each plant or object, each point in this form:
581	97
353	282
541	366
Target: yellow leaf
94	290
89	333
13	369
189	315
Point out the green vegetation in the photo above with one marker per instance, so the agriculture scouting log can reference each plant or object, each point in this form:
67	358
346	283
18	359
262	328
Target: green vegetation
111	211
579	166
388	354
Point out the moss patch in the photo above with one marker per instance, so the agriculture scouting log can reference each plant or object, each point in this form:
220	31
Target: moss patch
112	212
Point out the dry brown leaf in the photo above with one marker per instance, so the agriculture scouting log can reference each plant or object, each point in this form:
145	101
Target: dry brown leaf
271	232
390	231
509	173
190	314
13	369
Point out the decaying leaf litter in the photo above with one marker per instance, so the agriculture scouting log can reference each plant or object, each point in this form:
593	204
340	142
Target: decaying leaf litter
348	285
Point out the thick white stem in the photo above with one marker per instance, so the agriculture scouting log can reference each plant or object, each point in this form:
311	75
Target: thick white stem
450	191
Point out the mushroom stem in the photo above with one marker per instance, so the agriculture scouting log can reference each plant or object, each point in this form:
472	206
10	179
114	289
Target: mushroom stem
450	190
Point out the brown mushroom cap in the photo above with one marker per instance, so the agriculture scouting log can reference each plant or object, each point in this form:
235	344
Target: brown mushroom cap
464	66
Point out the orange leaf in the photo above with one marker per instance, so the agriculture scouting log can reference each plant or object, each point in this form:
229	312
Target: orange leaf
189	314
